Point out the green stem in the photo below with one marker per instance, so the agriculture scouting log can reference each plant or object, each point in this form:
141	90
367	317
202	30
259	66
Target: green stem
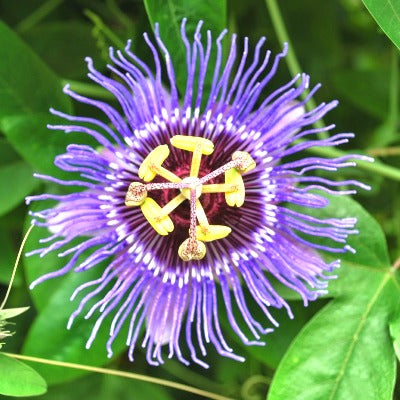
384	151
291	59
41	12
394	92
99	24
3	303
122	18
123	374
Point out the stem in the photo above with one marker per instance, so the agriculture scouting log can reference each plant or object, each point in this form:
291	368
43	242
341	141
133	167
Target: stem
15	267
123	374
394	92
99	24
384	151
41	12
291	59
122	18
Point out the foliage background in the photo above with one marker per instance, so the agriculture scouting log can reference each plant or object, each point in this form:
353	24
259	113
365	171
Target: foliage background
340	347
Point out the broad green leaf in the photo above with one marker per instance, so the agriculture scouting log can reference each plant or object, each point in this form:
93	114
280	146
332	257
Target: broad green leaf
169	14
28	88
63	45
16	182
27	85
7	153
345	351
387	14
394	326
277	342
49	338
37	144
18	379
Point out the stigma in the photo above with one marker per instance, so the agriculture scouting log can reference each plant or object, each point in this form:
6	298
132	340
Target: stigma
191	188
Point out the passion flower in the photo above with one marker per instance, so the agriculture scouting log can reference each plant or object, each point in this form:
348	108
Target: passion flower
187	198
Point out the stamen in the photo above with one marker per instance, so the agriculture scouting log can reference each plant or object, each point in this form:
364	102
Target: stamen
152	212
191	189
171	205
213	232
151	165
233	178
218	188
196	159
189	143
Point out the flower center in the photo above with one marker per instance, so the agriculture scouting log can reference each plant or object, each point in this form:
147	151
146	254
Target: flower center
191	188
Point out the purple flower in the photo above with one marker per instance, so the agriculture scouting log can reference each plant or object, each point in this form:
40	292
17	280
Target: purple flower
186	198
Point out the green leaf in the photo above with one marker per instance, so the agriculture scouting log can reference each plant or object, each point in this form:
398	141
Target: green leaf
16	182
345	351
27	85
169	14
387	14
276	343
18	379
49	338
63	45
28	88
37	144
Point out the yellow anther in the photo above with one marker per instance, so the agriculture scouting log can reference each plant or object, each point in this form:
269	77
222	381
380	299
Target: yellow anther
189	143
155	158
212	232
171	205
136	194
196	160
247	162
235	198
193	185
192	251
201	215
218	188
153	213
